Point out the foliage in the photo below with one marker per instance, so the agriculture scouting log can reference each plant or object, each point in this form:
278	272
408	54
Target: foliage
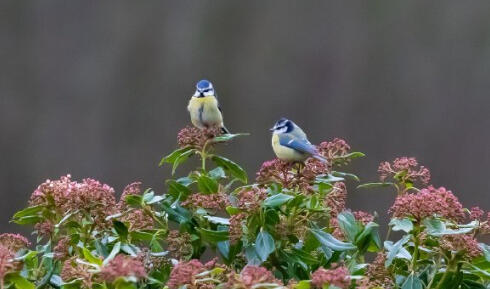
289	228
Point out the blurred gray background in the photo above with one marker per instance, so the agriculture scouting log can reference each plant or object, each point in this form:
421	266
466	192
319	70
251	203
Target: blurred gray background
99	89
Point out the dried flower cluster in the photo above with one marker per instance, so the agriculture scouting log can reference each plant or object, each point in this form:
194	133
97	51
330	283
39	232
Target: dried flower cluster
275	171
428	202
61	250
334	150
338	277
477	214
88	198
136	218
179	245
363	217
7	264
184	273
195	137
292	175
406	169
151	262
217	201
377	275
236	227
73	270
9	245
336	199
13	242
123	266
251	277
251	200
463	244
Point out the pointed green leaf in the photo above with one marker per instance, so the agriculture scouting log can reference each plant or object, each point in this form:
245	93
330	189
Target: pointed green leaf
264	245
227	137
413	282
328	241
19	281
232	168
171	158
277	200
207	185
405	225
375	185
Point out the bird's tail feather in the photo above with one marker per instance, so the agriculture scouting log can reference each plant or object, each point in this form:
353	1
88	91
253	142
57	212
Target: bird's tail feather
224	130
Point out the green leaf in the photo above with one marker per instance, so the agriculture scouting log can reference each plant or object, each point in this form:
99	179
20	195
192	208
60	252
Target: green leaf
181	158
277	200
213	237
264	245
121	229
30	215
303	284
232	210
436	227
329	179
30	211
115	250
91	258
232	168
207	185
27	220
404	224
470	284
141	235
19	281
413	282
368	236
218	220
486	251
349	225
375	185
122	283
394	250
251	255
345	175
328	241
348	157
134	201
217	173
178	190
155	199
176	213
227	137
171	158
56	280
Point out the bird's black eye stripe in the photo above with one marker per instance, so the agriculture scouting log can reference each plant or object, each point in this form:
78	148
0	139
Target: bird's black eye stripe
207	90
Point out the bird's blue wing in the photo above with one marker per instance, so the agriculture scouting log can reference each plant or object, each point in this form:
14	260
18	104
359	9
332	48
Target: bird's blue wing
301	145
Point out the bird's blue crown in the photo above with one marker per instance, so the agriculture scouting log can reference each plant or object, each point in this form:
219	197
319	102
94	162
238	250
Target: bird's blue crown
203	85
284	122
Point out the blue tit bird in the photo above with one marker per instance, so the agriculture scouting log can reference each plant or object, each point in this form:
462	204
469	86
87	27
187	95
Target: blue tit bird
204	108
291	144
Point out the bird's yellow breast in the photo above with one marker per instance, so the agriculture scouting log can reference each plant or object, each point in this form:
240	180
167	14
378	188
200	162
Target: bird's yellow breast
204	111
284	153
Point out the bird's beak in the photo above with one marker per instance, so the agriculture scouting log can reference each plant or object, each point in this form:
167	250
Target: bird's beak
272	129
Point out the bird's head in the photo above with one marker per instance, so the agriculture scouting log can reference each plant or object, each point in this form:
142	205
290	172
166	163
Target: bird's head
283	125
204	88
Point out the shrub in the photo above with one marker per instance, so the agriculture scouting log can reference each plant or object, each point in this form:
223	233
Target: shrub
288	228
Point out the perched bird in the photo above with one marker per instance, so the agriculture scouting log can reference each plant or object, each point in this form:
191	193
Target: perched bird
204	108
291	144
